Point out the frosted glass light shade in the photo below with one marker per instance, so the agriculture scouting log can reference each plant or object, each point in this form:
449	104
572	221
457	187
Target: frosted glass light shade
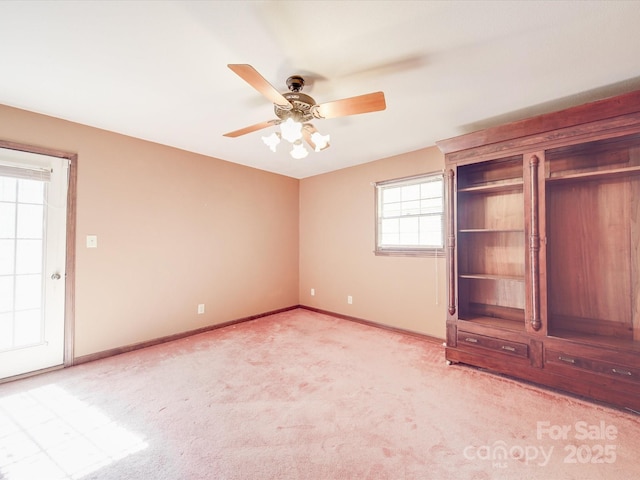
291	131
321	141
298	151
272	141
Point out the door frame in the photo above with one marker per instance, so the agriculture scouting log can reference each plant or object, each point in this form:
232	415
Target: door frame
70	262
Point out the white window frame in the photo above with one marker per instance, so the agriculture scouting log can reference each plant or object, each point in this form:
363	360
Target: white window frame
408	209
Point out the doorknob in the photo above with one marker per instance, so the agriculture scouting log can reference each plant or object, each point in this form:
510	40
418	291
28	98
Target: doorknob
55	276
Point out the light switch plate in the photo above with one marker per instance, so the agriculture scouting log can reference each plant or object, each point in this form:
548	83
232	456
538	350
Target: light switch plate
92	241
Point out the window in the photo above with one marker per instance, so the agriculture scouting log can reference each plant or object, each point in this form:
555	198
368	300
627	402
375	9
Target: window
410	216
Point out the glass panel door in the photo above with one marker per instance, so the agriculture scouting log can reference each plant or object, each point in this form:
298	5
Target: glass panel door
32	259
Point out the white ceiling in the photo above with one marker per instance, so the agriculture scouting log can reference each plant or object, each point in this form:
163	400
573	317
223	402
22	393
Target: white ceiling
157	70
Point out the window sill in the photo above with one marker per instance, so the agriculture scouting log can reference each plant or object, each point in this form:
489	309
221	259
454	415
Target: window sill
410	253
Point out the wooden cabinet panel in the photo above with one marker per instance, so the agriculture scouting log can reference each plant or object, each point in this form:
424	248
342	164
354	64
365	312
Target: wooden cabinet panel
496	344
588	252
492	211
484	293
612	369
589	157
491	254
499	173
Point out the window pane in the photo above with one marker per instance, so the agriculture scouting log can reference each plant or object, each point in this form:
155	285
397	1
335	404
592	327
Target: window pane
390	239
6	331
411	224
6	294
431	205
410	231
392	209
410	238
7	257
390	195
30	191
431	230
390	232
432	239
431	189
29	256
28	292
390	226
410	192
7	220
30	223
7	189
411	208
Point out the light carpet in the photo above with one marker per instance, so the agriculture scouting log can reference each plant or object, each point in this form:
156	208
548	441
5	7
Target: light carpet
302	395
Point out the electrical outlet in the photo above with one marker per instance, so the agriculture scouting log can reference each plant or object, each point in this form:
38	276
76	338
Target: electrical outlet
349	299
200	308
313	292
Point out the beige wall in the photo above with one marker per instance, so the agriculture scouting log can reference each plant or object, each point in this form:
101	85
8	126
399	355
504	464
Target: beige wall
174	229
337	239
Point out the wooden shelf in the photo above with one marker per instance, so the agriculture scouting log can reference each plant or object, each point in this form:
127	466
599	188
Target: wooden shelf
505	323
491	230
493	187
483	276
594	175
597	340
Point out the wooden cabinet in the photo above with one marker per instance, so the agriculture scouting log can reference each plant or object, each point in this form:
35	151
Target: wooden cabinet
543	249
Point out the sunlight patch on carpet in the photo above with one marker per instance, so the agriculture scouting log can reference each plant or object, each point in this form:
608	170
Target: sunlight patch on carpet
48	433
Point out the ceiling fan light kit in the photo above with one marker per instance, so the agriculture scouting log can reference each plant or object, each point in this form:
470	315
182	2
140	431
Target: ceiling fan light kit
272	140
298	151
295	109
291	130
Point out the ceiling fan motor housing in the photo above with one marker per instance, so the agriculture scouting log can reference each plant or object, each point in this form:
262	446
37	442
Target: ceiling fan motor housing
295	83
302	107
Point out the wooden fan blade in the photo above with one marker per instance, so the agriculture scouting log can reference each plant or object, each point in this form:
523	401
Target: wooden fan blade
257	81
307	131
252	128
307	136
370	102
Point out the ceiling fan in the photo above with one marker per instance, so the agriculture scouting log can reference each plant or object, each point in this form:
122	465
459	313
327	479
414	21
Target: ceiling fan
295	109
